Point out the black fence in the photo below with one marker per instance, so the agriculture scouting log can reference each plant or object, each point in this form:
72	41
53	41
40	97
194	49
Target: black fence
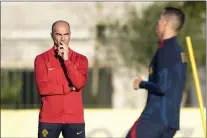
18	90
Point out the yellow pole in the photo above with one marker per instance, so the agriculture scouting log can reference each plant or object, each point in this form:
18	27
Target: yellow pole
196	81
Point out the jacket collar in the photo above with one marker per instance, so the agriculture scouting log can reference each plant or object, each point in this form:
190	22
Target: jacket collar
167	41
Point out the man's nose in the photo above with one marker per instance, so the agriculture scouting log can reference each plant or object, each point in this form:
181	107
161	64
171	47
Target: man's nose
62	38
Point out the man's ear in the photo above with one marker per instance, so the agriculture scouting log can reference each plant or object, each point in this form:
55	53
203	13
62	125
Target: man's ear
165	23
51	35
167	20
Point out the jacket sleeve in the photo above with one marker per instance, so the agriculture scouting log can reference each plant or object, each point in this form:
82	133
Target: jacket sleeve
43	82
78	75
162	73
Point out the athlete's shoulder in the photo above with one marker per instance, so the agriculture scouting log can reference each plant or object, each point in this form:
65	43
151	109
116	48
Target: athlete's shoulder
181	53
79	56
180	47
43	55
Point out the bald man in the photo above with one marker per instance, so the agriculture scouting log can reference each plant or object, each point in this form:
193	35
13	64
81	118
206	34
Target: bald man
166	82
60	75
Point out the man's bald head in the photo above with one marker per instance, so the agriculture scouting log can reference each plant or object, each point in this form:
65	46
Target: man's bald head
176	17
60	32
59	22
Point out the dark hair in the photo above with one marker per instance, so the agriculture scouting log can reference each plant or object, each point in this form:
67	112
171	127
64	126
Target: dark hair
178	13
53	25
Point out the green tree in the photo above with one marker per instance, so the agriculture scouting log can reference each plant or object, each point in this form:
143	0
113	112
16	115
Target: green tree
11	85
134	39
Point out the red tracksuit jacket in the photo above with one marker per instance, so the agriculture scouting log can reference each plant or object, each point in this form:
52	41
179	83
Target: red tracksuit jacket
60	103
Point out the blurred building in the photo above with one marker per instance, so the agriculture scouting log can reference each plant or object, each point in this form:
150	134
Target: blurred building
25	33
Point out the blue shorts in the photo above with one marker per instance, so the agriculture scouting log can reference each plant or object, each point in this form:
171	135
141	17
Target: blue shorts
53	130
147	129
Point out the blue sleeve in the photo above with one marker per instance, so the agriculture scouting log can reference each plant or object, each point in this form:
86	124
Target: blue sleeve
162	72
151	87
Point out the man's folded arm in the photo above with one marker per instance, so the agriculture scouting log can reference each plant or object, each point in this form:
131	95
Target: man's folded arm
78	75
42	81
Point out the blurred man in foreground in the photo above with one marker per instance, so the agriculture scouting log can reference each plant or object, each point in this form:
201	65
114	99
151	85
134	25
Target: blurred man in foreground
166	82
60	75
